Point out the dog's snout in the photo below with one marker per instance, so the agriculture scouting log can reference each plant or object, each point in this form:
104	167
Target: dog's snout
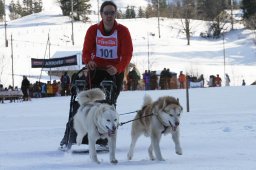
113	127
177	123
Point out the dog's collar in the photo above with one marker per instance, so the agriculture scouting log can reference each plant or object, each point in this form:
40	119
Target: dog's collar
104	101
101	134
165	128
160	120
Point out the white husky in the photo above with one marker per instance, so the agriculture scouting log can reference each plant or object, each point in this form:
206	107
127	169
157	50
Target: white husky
154	119
99	120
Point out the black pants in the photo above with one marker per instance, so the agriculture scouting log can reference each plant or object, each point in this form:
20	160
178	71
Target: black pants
97	76
25	93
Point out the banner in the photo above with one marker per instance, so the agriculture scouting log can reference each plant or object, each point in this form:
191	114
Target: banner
54	62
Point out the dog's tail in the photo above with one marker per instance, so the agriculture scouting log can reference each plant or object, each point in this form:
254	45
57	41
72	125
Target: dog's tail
147	100
91	95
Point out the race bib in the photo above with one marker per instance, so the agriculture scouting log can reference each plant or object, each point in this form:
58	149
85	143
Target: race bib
106	46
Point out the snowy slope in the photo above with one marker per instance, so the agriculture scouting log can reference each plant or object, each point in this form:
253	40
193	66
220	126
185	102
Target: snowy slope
219	133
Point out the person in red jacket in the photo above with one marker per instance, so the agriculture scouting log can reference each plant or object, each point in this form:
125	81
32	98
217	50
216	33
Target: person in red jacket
107	49
182	79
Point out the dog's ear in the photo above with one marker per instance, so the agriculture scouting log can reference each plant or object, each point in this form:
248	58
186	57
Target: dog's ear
179	104
160	103
178	100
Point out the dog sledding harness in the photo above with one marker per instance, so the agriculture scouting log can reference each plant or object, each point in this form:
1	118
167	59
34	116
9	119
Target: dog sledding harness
160	120
153	114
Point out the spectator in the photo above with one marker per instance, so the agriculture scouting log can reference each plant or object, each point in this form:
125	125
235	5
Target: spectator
43	89
182	79
133	79
25	88
218	81
37	90
65	84
201	79
55	88
146	78
153	80
227	80
1	87
163	78
243	83
168	78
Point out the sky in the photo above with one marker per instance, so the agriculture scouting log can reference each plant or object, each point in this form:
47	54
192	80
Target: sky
218	133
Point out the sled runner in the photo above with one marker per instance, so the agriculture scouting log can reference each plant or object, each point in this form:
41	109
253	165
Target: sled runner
78	85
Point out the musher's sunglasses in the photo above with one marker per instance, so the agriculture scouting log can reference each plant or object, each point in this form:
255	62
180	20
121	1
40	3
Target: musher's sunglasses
111	13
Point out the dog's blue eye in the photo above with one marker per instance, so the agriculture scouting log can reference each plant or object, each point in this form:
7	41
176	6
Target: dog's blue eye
115	120
108	120
171	115
179	114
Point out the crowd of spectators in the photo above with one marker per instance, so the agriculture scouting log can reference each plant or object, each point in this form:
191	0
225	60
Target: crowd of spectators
150	80
38	89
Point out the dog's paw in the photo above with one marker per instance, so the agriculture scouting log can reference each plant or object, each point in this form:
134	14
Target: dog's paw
160	159
129	156
179	151
97	162
153	158
114	161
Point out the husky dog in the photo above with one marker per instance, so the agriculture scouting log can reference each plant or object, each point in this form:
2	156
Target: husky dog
154	119
98	120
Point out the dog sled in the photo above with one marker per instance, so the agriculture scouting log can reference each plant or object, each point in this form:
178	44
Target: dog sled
79	84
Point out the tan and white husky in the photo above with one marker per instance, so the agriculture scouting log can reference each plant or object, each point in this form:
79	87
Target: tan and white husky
154	119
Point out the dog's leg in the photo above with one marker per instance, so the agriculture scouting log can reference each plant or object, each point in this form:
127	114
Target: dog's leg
92	149
155	140
112	149
150	152
80	130
135	135
176	140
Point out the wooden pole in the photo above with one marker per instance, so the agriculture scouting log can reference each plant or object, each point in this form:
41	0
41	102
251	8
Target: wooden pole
187	92
12	62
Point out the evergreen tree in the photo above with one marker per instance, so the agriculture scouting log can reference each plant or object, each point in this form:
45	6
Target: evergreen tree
12	7
215	7
200	9
18	8
2	11
149	11
163	8
38	5
249	8
141	13
130	12
133	14
28	7
80	8
65	6
119	14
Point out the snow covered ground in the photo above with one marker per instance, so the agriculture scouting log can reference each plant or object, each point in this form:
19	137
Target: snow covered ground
219	133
